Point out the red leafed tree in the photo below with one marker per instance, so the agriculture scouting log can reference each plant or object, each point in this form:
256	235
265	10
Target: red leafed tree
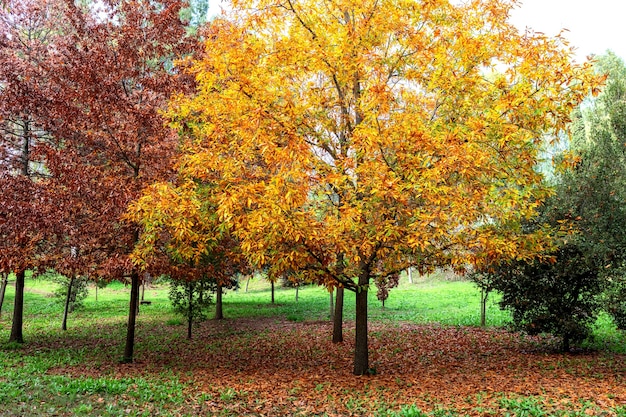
97	88
26	228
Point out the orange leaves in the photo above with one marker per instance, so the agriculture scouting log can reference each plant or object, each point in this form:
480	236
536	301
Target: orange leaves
375	129
175	219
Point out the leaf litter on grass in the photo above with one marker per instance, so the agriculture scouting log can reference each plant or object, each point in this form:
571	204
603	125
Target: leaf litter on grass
275	367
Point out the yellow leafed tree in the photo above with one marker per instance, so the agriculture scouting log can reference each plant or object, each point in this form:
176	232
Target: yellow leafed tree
351	139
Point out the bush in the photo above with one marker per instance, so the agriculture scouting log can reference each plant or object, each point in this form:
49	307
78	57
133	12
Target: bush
561	297
616	303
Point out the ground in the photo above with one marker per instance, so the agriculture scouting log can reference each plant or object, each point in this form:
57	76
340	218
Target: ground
275	367
427	354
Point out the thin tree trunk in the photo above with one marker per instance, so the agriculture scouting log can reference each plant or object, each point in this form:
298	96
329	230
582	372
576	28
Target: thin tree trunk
483	307
132	316
18	309
219	312
332	305
96	292
361	354
338	317
248	282
143	288
3	289
190	309
272	282
410	274
68	296
297	289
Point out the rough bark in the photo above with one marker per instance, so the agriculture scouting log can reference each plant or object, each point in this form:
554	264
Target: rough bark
17	335
219	312
338	317
132	316
3	289
68	296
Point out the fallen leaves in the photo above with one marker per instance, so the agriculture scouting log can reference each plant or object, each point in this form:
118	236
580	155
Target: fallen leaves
275	367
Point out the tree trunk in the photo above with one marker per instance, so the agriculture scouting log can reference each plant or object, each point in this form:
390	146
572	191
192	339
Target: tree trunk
68	297
96	292
132	316
338	317
332	305
483	307
18	309
3	289
248	282
297	289
272	282
143	288
410	274
189	309
361	354
566	343
219	312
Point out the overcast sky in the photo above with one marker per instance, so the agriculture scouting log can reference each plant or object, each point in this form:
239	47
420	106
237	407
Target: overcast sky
593	25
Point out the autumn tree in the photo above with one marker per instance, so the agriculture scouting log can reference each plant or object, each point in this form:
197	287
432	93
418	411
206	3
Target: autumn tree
98	88
182	237
353	140
26	225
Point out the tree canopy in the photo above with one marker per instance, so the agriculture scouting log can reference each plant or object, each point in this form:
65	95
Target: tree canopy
351	140
94	78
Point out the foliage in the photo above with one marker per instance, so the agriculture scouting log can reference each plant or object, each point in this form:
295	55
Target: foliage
588	201
616	303
590	196
191	299
79	292
182	236
383	286
96	85
594	191
559	296
352	140
88	78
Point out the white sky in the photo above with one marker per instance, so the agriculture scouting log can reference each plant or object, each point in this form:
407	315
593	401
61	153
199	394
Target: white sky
593	25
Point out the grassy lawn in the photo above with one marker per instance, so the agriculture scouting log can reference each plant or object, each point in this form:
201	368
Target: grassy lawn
430	356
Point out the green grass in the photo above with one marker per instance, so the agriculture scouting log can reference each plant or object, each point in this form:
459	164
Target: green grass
33	382
428	300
